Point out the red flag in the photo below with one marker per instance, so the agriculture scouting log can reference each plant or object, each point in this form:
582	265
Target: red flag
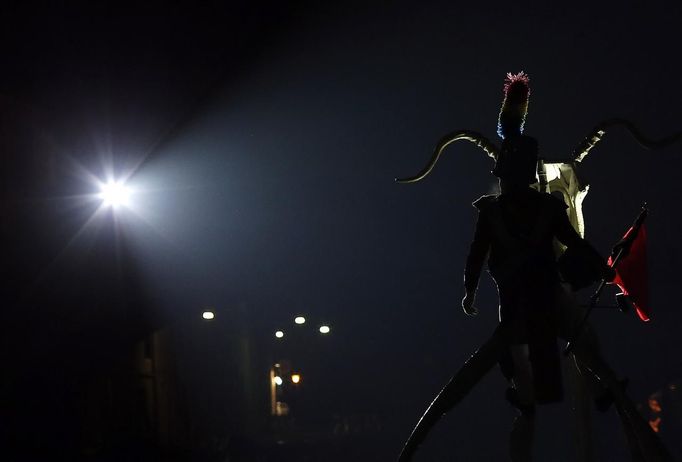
632	275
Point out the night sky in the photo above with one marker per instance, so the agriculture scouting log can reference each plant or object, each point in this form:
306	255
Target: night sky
263	142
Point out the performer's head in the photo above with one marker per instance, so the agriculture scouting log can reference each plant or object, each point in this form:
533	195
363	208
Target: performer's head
517	161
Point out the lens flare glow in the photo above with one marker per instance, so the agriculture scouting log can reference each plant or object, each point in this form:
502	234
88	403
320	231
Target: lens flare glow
114	194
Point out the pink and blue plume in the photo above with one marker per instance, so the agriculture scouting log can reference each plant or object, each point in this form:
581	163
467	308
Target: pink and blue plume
512	116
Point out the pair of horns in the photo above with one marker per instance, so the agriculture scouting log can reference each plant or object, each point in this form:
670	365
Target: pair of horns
579	153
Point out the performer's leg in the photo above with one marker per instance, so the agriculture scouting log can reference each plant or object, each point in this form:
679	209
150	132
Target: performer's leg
650	446
521	436
523	374
459	386
580	406
571	315
630	437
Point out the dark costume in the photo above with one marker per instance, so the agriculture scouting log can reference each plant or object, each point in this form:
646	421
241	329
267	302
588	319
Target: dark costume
516	232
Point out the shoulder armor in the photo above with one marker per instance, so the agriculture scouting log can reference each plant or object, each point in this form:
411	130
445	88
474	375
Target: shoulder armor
484	202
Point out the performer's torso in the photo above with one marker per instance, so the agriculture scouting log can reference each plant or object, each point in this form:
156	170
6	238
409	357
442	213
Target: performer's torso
522	259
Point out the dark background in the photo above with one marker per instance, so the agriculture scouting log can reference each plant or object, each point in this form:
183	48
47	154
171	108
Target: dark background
263	141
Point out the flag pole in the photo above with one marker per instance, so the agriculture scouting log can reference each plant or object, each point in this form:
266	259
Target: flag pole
623	247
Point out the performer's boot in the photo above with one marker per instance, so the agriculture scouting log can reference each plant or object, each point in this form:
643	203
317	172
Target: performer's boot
456	390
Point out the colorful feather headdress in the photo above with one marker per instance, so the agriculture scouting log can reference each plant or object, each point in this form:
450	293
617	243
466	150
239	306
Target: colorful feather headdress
515	105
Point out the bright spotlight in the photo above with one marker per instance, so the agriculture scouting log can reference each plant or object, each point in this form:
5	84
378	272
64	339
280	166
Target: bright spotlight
208	315
324	329
299	320
114	194
296	378
279	334
278	380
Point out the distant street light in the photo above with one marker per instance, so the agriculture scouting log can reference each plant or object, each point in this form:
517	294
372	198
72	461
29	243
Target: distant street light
208	315
279	334
296	378
325	329
299	320
278	380
114	194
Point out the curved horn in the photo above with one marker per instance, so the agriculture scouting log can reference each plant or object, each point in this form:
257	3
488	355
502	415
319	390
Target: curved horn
600	129
468	135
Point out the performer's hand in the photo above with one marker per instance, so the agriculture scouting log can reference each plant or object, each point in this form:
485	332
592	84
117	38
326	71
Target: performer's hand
468	304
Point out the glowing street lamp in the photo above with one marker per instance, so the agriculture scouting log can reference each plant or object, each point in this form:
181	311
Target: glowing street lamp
114	194
296	378
325	329
208	315
299	320
279	334
278	380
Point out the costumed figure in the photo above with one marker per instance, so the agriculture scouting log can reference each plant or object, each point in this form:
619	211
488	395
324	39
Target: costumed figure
521	232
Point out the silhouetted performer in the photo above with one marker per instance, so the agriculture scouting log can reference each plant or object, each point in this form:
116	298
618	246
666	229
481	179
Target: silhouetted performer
515	233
